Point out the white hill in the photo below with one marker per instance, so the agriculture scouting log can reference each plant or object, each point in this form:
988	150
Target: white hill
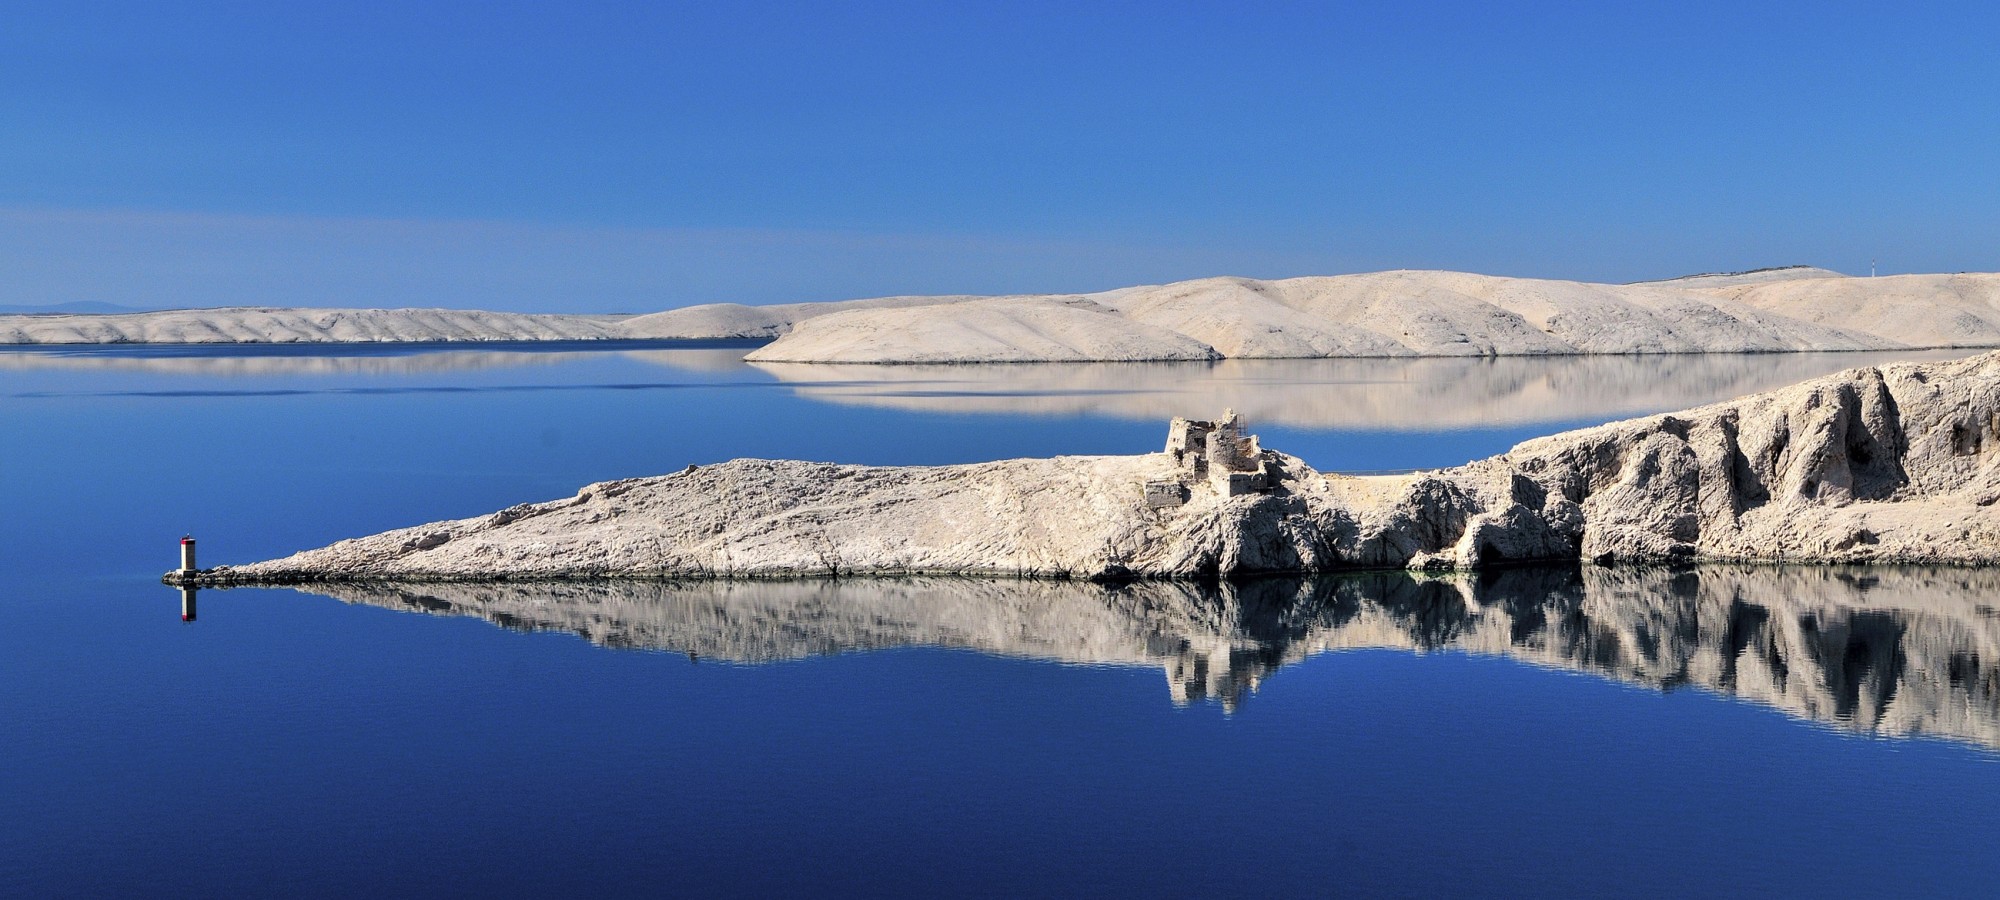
1379	314
1006	329
1960	310
735	320
1423	313
274	325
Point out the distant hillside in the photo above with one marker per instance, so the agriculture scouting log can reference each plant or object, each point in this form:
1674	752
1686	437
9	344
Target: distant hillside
277	325
1376	314
1412	313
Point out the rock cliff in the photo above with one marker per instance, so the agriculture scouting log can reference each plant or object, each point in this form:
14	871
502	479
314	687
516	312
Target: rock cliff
1898	463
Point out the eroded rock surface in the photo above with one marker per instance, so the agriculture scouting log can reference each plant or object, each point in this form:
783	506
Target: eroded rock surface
1898	463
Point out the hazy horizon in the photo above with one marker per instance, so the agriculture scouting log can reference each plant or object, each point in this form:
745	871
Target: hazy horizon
178	261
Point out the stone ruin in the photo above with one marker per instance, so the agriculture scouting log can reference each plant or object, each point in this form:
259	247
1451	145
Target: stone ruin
1217	454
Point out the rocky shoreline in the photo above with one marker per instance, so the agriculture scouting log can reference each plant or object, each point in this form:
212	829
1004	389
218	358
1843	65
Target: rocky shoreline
1899	464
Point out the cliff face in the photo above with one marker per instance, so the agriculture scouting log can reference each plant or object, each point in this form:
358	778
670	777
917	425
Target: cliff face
1900	463
1880	650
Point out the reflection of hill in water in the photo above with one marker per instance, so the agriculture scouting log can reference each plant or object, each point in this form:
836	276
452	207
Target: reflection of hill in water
1884	651
1423	394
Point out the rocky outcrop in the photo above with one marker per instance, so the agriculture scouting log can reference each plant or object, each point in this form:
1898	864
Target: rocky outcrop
1878	650
1899	463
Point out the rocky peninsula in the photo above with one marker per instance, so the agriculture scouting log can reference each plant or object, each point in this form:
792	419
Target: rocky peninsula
1898	463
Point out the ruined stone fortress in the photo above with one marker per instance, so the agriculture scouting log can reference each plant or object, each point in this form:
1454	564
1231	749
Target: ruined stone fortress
1217	454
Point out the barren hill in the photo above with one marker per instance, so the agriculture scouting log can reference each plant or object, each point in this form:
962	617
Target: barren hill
1422	313
1378	314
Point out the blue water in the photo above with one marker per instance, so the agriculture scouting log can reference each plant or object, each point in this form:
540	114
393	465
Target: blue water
290	743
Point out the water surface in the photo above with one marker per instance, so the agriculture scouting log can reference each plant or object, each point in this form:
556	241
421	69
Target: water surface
1648	733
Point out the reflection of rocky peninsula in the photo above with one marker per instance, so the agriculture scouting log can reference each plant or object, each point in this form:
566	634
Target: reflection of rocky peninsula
1890	651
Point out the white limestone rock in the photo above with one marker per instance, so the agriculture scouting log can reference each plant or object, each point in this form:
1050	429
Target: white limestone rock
1893	464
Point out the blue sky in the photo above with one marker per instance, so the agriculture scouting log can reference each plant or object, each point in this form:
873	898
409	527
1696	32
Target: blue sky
638	156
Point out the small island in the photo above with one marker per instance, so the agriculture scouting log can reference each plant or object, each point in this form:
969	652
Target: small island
1899	463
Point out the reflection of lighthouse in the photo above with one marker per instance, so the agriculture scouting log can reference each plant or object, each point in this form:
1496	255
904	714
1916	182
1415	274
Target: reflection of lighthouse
187	604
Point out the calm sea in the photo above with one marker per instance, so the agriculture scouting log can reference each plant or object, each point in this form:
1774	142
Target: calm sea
1712	732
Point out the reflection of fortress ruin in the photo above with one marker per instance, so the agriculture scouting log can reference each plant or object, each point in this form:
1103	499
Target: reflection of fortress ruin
1890	651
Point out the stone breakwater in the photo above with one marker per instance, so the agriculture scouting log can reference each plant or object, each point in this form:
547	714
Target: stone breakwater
1893	464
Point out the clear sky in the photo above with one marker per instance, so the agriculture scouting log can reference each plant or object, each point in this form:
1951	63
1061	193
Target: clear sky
630	156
